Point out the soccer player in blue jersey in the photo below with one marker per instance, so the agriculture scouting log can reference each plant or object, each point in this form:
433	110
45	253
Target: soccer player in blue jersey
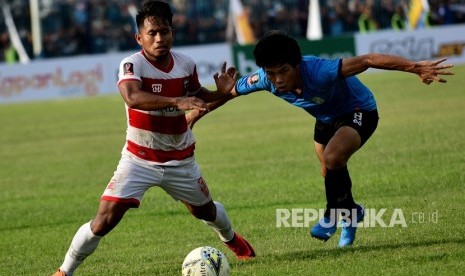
344	108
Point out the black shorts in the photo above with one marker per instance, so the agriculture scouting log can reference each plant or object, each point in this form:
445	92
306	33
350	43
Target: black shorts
364	122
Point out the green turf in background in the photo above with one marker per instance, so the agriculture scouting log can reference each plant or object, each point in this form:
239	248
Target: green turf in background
256	154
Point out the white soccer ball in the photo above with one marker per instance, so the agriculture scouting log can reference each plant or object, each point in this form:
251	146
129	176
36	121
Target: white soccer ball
205	261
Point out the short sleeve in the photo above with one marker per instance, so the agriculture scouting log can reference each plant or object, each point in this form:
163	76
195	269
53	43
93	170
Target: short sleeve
129	69
254	82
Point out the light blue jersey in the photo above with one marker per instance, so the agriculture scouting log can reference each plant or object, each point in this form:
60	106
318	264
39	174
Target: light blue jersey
324	95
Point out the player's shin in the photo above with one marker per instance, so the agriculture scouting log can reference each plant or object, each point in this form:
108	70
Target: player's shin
221	224
338	187
83	244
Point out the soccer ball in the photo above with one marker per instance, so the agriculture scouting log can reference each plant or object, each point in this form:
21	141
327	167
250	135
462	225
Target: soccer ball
205	261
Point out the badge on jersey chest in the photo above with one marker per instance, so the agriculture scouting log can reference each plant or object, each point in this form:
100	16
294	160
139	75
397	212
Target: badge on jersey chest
156	88
318	100
165	87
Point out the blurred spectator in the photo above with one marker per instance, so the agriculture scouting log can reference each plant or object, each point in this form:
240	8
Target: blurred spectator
8	52
336	19
445	13
366	20
280	18
258	15
441	13
398	19
75	27
351	15
180	20
302	17
384	13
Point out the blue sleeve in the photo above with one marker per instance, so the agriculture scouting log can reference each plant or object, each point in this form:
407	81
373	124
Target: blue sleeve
254	82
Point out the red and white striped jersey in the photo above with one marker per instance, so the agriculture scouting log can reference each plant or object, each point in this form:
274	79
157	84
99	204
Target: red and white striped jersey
162	136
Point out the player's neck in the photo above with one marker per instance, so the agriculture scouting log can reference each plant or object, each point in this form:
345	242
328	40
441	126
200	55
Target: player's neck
163	63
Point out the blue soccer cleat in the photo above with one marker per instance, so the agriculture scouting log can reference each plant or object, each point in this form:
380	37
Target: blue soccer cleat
350	228
324	229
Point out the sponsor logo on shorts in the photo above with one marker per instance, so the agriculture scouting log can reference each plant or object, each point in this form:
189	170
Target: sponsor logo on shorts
111	185
358	118
203	186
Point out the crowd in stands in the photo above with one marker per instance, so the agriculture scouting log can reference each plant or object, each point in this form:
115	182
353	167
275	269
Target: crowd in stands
75	27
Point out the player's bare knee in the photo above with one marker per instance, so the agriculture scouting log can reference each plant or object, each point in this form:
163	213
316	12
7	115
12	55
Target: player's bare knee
334	161
96	226
103	224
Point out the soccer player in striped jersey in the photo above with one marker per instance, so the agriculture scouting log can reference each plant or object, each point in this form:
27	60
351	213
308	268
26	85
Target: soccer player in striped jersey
158	85
344	108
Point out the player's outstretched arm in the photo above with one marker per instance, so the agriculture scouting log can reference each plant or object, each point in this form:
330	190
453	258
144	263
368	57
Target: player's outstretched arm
428	71
225	82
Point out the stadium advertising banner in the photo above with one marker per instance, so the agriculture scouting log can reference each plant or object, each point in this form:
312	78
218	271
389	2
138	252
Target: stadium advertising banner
90	75
45	79
430	43
328	48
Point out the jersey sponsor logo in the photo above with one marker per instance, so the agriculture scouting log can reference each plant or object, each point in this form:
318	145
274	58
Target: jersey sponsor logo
169	109
156	87
318	100
253	79
128	68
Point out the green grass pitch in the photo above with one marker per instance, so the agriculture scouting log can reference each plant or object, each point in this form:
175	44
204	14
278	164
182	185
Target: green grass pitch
256	154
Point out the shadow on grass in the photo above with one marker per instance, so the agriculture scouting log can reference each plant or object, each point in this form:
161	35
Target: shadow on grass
342	252
336	252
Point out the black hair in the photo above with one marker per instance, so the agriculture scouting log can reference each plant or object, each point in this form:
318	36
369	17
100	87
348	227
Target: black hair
157	9
275	48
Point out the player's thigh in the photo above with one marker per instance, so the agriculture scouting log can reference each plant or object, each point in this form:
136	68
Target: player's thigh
131	180
186	183
342	145
353	130
323	132
364	122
